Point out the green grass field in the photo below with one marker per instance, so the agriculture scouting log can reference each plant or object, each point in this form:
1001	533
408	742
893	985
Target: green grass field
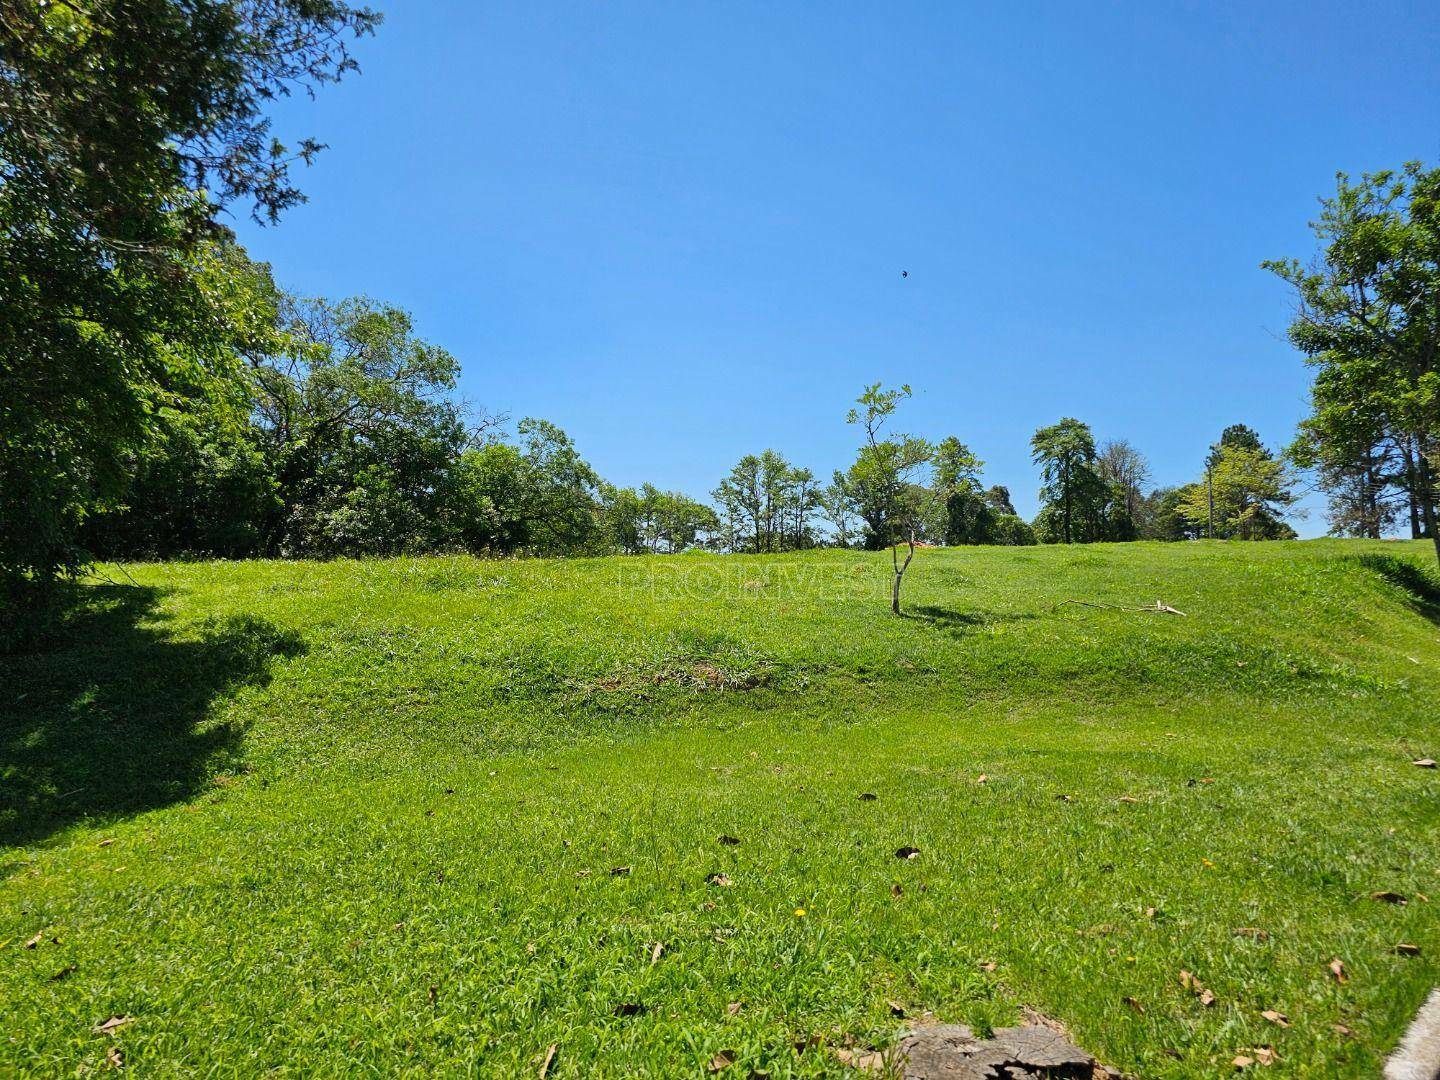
365	817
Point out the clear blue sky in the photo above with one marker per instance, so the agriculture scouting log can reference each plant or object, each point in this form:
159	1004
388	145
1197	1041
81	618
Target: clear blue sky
677	229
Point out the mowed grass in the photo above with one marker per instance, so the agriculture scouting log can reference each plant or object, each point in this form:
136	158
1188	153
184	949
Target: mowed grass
363	818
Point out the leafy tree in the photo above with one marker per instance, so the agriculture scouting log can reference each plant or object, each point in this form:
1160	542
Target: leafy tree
1161	518
956	468
1367	470
355	417
125	129
488	500
672	521
883	479
623	519
998	499
767	504
1011	530
202	487
1074	495
563	492
964	515
1360	501
1369	320
537	497
838	506
1240	435
1250	489
741	497
968	518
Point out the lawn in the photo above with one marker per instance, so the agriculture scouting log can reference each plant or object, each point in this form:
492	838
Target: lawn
435	815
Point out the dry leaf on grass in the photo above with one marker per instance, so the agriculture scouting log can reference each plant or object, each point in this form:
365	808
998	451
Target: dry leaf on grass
720	880
722	1060
896	890
906	852
1277	1018
733	1009
1196	987
1406	949
1424	763
620	871
35	941
114	1058
1134	1003
64	973
655	952
868	796
1252	932
113	1023
896	1009
1386	896
863	1060
547	1059
729	841
1337	968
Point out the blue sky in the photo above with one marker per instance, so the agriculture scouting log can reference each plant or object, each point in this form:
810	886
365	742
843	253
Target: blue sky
677	230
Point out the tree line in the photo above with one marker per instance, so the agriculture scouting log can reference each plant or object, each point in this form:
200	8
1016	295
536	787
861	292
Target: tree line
337	434
160	395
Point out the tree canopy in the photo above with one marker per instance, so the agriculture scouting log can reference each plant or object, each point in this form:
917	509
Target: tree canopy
1368	318
125	129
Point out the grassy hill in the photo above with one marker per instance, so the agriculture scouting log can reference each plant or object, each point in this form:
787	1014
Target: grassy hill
366	817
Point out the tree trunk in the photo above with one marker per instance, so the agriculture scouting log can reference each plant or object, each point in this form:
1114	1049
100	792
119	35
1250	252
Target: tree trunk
1370	499
1412	484
1427	497
899	569
1065	482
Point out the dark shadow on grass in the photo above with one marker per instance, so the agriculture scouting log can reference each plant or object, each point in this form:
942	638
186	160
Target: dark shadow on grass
111	716
1421	585
959	623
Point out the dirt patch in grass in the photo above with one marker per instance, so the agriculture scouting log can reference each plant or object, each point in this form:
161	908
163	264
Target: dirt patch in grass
701	675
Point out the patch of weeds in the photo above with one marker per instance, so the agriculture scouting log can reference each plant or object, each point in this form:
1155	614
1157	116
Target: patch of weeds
687	675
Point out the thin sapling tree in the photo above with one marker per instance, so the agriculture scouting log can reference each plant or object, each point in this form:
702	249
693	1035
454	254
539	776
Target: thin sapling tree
884	479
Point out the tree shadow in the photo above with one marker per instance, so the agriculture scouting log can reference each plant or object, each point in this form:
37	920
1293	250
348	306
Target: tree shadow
1420	584
113	714
959	623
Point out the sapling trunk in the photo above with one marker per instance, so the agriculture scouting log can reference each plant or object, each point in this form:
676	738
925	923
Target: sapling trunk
899	569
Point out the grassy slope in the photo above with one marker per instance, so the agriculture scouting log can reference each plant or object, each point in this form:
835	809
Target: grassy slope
334	787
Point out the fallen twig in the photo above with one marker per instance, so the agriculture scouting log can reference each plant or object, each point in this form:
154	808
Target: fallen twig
1159	606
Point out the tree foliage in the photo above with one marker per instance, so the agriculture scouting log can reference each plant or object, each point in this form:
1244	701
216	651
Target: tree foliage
1250	491
125	128
1368	318
767	505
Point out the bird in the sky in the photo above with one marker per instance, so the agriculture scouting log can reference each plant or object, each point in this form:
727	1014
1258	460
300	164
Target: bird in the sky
904	273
